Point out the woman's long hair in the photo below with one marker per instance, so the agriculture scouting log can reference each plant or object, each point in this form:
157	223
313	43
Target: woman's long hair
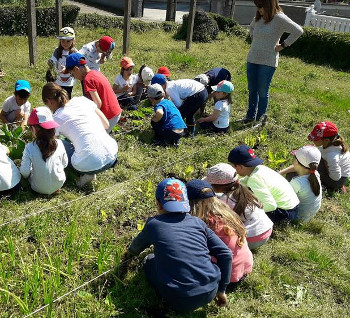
55	92
46	141
271	7
214	207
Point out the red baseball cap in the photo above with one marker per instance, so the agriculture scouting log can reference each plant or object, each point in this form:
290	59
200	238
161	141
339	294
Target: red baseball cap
106	43
42	116
126	62
323	129
164	70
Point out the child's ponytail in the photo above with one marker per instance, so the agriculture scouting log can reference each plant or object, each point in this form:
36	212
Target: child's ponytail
46	141
56	92
314	183
339	141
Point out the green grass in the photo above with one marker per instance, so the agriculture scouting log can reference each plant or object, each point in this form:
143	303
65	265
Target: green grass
302	272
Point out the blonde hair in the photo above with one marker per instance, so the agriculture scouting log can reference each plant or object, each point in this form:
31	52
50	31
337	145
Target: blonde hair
206	208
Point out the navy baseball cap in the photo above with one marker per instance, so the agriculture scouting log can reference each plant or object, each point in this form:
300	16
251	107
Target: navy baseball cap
75	59
172	194
195	187
244	155
158	79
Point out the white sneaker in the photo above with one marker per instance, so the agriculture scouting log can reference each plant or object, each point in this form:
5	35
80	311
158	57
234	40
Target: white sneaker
85	179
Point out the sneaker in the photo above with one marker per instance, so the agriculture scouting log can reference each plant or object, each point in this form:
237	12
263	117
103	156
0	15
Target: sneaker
85	179
262	119
245	120
343	189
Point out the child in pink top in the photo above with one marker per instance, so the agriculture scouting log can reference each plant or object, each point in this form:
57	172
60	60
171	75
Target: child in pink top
226	225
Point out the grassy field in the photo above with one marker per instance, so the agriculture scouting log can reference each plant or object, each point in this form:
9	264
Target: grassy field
50	246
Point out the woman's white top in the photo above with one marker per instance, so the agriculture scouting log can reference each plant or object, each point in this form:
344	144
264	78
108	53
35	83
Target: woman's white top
9	173
265	36
93	147
255	221
44	176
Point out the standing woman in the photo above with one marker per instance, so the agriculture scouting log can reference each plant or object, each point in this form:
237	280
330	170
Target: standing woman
266	30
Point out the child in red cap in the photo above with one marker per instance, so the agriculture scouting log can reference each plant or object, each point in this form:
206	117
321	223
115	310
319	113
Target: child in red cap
334	167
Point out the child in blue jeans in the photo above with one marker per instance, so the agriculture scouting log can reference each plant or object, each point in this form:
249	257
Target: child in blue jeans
180	269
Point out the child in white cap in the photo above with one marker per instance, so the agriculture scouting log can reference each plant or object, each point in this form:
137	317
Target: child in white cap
219	120
45	158
307	185
224	180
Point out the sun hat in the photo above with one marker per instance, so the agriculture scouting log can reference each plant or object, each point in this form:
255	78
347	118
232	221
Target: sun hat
75	59
244	155
147	75
195	187
307	154
22	85
203	79
42	116
223	86
126	62
322	130
172	194
221	173
106	43
159	79
164	70
155	91
66	33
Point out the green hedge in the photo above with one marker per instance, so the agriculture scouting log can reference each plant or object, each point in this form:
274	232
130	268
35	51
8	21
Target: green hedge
93	20
13	19
230	26
322	47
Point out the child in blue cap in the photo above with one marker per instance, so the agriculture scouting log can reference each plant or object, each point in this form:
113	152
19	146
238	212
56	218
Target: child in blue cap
180	269
219	120
16	108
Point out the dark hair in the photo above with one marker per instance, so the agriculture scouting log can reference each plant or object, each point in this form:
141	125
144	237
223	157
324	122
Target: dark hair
338	140
314	183
22	93
60	49
56	92
242	196
271	7
140	70
46	141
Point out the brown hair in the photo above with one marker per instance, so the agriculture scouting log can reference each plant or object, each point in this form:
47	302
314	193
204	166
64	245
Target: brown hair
243	197
56	92
271	7
338	140
314	183
60	49
46	141
206	208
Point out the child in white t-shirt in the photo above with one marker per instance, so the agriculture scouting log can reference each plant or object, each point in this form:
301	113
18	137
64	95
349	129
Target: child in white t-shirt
125	83
219	120
16	108
307	185
9	174
45	158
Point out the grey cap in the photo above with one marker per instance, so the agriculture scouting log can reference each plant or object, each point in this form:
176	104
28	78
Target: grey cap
155	91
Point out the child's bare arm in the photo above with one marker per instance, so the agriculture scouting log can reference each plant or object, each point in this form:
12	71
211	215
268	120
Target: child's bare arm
287	170
96	98
3	117
214	116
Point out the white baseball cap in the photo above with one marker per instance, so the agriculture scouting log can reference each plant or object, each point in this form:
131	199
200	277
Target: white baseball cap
147	75
221	173
307	154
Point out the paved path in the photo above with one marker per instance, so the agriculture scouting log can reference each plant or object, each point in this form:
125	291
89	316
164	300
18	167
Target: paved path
154	11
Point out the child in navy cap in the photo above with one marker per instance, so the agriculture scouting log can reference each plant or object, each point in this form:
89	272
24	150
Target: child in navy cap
272	190
180	269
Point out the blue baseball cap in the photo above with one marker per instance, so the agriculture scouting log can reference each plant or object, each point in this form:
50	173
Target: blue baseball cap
244	155
172	194
195	187
223	86
22	84
158	79
75	59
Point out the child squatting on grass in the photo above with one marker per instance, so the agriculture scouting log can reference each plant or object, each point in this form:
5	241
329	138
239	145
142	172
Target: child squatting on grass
224	222
58	60
181	270
16	108
306	184
224	180
272	190
166	121
45	158
219	120
334	167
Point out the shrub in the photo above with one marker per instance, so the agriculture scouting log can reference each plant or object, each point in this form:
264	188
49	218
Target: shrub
205	28
230	26
13	19
95	21
323	47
